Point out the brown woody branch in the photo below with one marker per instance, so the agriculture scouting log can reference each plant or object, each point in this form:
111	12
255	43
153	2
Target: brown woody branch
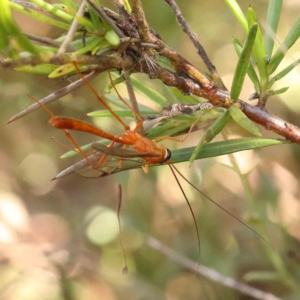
186	77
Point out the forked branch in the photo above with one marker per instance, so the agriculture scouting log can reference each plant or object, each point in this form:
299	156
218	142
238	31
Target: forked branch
140	56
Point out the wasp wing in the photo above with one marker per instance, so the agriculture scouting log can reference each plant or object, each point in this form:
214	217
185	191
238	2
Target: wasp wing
120	152
131	159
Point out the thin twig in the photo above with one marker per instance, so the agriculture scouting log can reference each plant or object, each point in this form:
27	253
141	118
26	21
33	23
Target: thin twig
54	96
48	41
72	30
209	273
133	100
194	38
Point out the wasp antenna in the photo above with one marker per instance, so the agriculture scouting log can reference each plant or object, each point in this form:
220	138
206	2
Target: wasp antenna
99	98
64	146
225	210
122	99
190	208
50	113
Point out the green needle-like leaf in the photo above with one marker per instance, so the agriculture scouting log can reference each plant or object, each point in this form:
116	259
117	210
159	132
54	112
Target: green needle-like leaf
243	63
280	91
95	19
212	131
289	41
258	49
148	92
54	10
225	147
38	16
284	72
42	69
235	8
10	30
72	6
250	71
274	10
243	121
91	45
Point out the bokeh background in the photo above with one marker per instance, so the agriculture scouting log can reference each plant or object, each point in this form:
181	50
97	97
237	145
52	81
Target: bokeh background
60	239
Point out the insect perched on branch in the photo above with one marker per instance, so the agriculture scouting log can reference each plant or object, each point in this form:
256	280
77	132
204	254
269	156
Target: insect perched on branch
129	145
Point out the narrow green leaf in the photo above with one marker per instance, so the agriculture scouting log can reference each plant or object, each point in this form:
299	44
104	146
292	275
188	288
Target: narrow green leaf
235	8
104	44
127	6
215	128
225	147
289	41
10	30
95	19
63	7
160	130
4	40
43	69
184	98
208	150
262	276
148	92
54	10
5	19
65	69
250	71
243	120
35	15
78	43
92	44
258	49
72	6
116	81
274	10
212	131
243	63
177	129
280	91
284	72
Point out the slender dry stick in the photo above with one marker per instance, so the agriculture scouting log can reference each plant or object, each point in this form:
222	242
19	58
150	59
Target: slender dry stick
209	273
194	38
72	30
48	42
54	96
133	101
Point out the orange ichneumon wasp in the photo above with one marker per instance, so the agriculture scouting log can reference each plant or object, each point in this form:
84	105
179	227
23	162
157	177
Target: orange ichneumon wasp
142	150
